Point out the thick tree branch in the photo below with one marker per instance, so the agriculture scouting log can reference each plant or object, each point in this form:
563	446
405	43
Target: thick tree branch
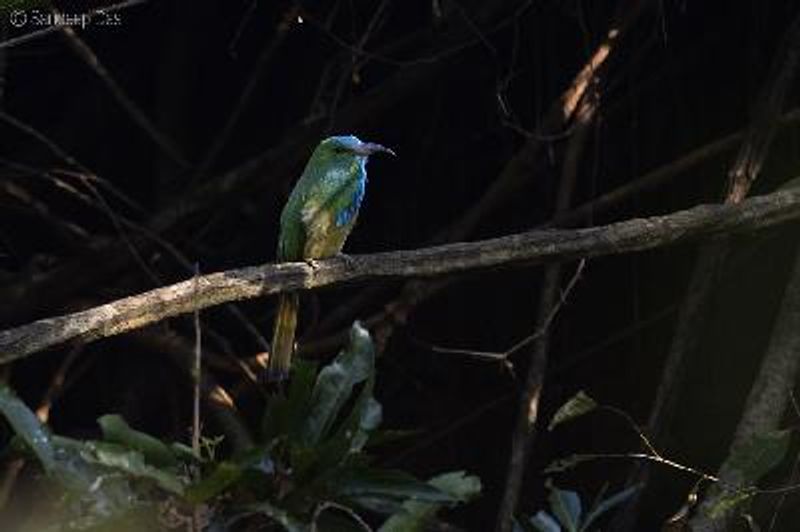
533	247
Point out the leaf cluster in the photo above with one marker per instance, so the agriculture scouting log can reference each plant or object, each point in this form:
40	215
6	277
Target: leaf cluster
309	471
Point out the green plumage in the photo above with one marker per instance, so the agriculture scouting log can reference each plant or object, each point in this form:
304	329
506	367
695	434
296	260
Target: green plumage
315	223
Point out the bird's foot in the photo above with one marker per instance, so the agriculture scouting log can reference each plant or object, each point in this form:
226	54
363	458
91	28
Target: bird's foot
313	263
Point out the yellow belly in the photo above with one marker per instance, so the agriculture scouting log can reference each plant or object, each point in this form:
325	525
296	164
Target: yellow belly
324	238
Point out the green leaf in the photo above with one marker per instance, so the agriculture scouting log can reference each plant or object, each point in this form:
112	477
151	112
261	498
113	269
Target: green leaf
132	463
323	461
224	475
181	451
608	503
567	507
757	456
28	427
388	483
246	468
116	430
578	405
335	383
458	484
366	416
80	469
544	522
416	516
378	504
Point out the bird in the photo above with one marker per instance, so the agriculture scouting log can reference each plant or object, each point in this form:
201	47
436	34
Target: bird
315	223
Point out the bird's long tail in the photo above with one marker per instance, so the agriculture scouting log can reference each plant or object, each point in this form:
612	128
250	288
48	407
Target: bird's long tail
283	338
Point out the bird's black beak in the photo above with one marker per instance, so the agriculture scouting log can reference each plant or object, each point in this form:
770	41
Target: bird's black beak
368	148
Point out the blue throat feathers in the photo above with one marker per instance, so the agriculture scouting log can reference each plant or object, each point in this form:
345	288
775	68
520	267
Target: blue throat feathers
346	215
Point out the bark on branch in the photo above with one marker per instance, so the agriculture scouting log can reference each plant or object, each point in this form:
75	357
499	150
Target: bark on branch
533	247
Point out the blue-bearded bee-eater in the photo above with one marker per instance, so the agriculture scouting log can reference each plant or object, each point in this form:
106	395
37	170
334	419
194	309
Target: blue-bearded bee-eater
317	219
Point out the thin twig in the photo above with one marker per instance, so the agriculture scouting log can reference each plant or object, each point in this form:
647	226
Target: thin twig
196	371
237	34
348	74
654	458
503	356
137	115
245	98
41	137
329	505
523	436
196	385
219	405
68	159
57	383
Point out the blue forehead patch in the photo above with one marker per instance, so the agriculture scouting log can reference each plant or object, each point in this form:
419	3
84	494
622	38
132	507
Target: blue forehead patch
346	141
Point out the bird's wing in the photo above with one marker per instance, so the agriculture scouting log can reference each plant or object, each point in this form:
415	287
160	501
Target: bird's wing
292	238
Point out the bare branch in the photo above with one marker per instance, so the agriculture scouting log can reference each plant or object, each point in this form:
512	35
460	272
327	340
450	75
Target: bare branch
533	247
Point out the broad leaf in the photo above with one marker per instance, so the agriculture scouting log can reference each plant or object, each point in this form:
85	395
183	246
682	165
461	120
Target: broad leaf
544	522
335	383
132	463
323	461
354	432
567	507
367	482
116	430
607	504
577	406
228	473
416	516
28	427
224	475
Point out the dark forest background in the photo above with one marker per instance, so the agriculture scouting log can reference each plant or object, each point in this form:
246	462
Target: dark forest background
170	133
